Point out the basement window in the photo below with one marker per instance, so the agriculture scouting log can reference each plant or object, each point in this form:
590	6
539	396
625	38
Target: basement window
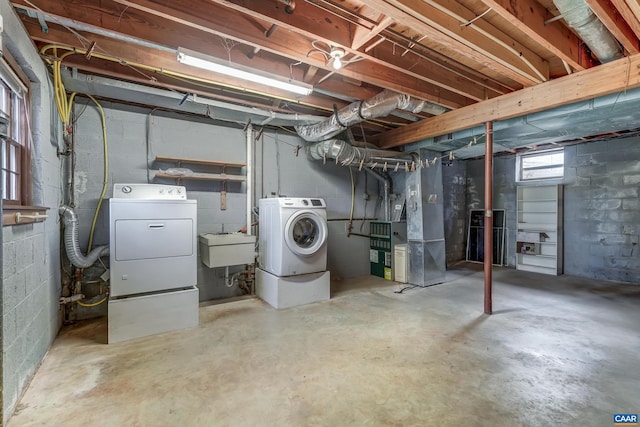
541	165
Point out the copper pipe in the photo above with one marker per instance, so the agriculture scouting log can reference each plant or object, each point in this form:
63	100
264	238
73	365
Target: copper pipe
488	216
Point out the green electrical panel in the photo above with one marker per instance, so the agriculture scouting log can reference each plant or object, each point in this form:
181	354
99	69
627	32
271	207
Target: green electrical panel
383	237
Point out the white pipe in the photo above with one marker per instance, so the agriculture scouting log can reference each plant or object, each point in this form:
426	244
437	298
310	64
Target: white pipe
249	177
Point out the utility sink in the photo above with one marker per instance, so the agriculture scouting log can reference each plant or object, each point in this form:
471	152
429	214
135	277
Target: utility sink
221	250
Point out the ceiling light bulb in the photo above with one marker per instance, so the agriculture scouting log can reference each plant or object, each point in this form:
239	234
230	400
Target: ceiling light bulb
336	55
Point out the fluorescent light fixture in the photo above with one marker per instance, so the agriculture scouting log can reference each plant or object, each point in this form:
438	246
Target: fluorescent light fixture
196	59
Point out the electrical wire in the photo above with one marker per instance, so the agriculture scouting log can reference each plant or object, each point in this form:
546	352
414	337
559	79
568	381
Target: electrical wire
407	288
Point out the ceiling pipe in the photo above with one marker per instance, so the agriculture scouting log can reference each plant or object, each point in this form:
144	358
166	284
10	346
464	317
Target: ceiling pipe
591	30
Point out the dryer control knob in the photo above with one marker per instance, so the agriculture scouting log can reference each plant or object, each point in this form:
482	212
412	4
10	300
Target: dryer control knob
126	189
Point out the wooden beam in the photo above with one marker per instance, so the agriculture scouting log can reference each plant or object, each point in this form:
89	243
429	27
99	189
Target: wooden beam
634	7
530	17
631	14
615	23
449	18
363	36
605	79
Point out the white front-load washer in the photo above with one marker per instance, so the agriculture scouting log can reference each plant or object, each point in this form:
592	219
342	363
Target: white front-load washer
293	236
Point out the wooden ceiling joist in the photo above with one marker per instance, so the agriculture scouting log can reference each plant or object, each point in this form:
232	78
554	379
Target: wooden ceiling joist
630	11
457	22
616	76
362	36
530	17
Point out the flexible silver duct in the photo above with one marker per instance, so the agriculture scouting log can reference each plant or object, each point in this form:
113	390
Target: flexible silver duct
71	244
591	30
348	155
380	105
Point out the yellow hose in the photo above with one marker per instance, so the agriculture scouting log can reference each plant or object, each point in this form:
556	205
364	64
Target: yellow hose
105	174
93	304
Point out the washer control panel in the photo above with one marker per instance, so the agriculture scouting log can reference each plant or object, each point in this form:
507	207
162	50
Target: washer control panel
149	191
299	202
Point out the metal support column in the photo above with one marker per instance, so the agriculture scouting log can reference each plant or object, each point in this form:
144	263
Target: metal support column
488	216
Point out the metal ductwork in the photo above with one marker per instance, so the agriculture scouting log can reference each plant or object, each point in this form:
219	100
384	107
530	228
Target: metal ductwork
380	105
591	30
348	155
71	244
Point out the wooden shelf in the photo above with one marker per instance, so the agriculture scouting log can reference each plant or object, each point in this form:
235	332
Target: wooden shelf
179	161
201	176
204	177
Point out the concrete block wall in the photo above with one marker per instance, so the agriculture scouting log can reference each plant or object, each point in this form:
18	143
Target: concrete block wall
136	137
30	260
602	210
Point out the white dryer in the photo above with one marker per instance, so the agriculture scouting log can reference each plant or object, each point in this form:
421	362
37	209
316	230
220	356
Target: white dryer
293	236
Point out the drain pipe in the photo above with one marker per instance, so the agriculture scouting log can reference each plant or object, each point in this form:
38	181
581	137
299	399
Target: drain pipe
387	186
579	16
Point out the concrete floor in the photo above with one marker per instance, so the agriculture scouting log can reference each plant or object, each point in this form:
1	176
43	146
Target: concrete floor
557	351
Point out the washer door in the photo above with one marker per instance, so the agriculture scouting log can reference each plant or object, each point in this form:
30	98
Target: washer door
305	232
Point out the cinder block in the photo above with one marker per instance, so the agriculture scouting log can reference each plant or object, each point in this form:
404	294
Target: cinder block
597	249
624	216
611	181
24	253
625	167
8	259
32	278
631	204
631	179
585	160
591	147
607	227
591	170
9	330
